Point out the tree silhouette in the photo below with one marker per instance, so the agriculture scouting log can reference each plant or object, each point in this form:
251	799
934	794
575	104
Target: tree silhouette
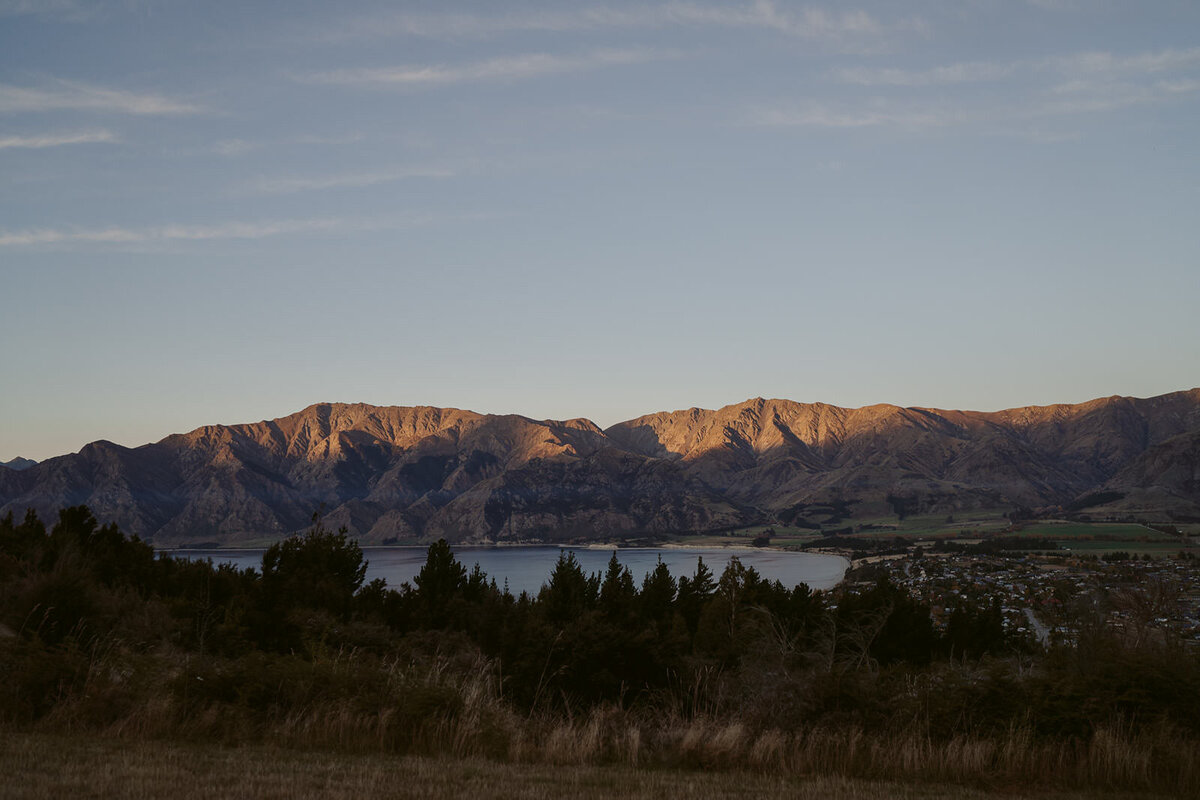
658	593
319	569
693	593
618	595
440	580
570	592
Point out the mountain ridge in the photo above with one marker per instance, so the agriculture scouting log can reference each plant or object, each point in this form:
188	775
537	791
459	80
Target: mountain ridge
416	472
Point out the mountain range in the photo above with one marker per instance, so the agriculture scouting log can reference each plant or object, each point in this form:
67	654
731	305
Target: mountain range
417	473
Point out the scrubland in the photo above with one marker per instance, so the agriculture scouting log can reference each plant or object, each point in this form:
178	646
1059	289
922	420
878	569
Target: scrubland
127	674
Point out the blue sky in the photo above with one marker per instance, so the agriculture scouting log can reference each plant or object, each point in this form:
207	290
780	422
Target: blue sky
222	212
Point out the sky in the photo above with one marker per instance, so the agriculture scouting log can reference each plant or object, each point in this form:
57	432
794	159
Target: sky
222	212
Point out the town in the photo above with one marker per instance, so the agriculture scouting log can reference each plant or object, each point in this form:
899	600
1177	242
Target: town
1047	596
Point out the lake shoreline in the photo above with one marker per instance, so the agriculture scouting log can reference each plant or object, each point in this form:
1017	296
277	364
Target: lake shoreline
528	566
605	545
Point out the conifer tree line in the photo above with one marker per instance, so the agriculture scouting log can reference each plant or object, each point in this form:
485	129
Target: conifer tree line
306	630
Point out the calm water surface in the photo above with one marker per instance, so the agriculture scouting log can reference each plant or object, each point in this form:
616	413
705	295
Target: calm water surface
527	568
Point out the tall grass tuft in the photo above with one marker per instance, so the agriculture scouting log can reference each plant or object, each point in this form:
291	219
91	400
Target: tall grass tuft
435	703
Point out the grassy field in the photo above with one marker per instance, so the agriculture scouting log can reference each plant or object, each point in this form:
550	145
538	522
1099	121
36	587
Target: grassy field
40	766
781	536
1097	548
973	526
935	525
1096	530
1094	538
1098	537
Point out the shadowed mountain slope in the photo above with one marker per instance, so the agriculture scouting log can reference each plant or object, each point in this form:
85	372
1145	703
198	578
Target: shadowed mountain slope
1164	480
410	473
777	453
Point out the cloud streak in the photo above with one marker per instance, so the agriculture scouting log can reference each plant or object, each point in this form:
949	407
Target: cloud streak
810	23
351	180
194	233
39	141
1099	81
67	10
509	68
1102	63
72	96
1075	67
971	72
1045	88
817	115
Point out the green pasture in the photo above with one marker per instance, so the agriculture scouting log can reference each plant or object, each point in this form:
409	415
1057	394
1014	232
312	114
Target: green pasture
976	526
935	525
1101	547
1095	530
781	536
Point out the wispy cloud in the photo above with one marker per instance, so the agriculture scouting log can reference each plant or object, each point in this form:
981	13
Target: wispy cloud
1029	90
234	147
809	23
1100	81
1091	96
1104	63
338	139
41	140
346	180
239	147
969	72
529	65
817	115
1075	67
192	233
76	10
1057	5
72	96
67	10
1062	102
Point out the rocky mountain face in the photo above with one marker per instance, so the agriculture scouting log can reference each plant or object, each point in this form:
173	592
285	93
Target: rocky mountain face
391	473
18	463
1164	480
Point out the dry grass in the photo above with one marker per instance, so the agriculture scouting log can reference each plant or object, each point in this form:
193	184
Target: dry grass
445	710
41	766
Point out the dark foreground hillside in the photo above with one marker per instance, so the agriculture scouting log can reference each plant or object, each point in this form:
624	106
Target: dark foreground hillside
696	672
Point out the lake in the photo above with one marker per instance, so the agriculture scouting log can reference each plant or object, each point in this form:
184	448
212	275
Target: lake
527	568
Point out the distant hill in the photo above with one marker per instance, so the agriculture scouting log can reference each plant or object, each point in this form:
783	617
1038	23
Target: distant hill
19	463
418	473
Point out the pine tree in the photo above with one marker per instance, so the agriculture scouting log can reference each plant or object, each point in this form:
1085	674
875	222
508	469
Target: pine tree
570	592
440	580
658	593
618	595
